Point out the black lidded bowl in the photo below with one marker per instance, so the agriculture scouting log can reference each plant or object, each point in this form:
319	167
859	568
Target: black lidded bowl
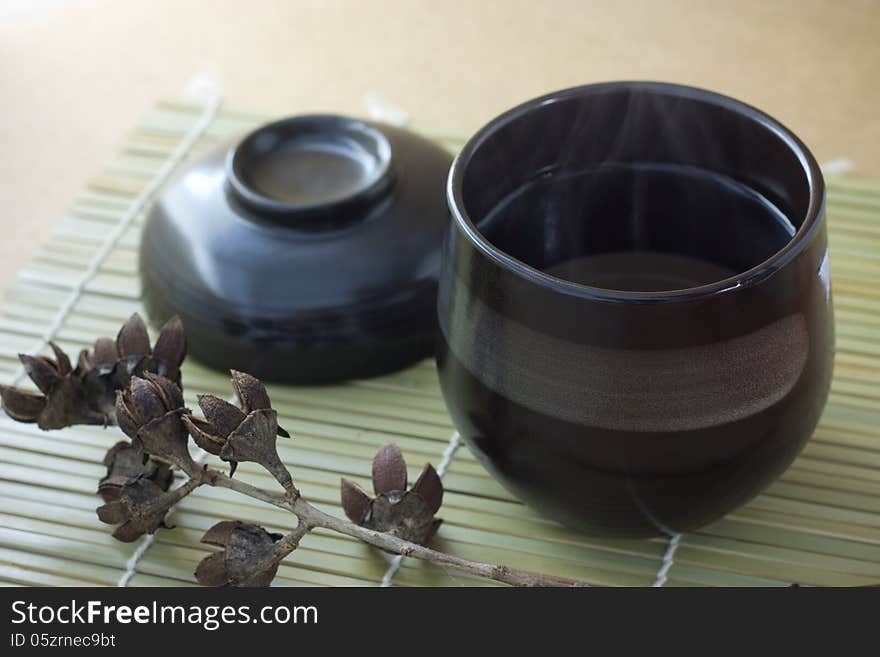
637	328
307	252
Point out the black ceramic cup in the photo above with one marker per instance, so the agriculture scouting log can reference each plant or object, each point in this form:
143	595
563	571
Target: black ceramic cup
637	331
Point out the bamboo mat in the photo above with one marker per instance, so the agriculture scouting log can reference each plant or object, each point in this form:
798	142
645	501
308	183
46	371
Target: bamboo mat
818	525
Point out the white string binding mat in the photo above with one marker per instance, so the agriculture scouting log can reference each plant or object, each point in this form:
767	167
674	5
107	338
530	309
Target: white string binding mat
668	560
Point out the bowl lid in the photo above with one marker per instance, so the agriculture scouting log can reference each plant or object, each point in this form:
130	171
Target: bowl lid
307	251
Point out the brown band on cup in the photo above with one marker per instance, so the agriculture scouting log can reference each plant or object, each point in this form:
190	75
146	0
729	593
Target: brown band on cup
625	389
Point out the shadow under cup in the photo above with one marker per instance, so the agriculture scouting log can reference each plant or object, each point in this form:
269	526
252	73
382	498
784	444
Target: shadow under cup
637	332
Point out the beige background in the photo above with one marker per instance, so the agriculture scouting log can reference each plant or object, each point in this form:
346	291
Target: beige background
76	74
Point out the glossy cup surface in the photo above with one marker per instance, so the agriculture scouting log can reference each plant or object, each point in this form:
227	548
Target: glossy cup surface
635	411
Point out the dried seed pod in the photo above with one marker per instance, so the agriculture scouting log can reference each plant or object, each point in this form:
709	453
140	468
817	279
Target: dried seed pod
249	558
170	349
166	438
62	362
202	433
250	391
43	372
109	366
63	402
125	418
170	392
407	514
389	469
146	401
22	405
403	514
220	414
241	434
87	394
133	339
254	440
103	353
149	411
430	488
355	502
124	461
252	394
139	506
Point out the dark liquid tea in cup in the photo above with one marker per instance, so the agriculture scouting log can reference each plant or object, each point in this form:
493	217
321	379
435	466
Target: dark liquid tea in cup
646	228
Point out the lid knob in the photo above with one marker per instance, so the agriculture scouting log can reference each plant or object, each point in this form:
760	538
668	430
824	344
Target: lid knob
320	167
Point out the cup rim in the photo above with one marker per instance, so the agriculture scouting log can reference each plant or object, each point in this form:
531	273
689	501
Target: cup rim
740	280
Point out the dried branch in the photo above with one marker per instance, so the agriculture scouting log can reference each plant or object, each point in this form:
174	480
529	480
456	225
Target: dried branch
139	388
313	517
139	506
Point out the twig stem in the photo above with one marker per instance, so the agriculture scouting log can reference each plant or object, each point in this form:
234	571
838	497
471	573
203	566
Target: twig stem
310	516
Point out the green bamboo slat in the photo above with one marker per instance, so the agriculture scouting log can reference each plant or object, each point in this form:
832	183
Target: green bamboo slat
54	518
808	509
819	524
31	569
686	575
839	454
105	555
856	475
38	477
57	529
733	528
770	568
833	482
73	500
50	463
